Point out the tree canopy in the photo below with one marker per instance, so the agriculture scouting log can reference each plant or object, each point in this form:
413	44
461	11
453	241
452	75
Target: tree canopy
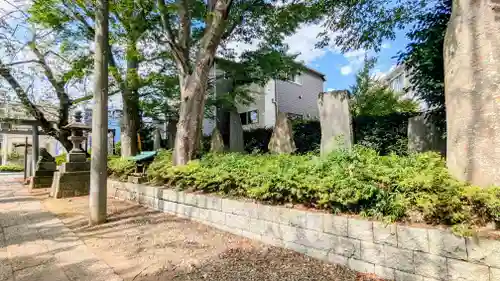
423	57
370	97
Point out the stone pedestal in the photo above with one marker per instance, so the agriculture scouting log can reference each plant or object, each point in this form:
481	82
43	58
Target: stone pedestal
44	173
73	177
137	179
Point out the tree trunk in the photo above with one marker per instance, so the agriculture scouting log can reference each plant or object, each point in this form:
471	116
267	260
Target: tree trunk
472	79
98	168
188	136
62	136
130	118
129	125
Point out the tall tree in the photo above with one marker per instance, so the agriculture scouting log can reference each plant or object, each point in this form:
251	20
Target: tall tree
423	58
98	169
130	22
371	97
472	78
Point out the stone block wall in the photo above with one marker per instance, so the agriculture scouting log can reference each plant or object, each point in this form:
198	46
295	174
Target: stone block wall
395	252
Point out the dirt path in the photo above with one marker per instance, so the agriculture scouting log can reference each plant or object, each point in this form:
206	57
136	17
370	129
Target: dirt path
147	245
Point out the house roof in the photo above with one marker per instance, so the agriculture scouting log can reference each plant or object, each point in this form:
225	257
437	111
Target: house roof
310	70
315	72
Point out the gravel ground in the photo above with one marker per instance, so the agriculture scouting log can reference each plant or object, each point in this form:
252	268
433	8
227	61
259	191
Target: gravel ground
141	244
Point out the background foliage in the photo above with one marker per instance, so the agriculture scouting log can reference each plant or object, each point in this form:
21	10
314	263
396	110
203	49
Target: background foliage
423	58
370	97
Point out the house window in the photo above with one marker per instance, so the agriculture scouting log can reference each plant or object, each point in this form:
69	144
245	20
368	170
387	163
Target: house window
295	79
249	117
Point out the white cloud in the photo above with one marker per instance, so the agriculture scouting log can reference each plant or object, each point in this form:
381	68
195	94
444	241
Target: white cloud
330	89
354	59
346	70
304	41
386	45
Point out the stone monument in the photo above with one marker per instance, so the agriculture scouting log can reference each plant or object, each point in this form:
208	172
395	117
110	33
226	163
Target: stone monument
44	173
472	91
73	177
282	138
216	141
335	120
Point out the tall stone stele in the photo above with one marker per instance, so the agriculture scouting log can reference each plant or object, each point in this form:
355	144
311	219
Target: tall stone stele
73	177
472	91
216	141
335	119
282	138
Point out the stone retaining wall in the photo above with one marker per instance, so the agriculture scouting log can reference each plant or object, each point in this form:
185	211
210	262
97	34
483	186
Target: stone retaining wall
391	251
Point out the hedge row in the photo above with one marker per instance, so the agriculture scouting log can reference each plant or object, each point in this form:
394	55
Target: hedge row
413	188
385	134
11	168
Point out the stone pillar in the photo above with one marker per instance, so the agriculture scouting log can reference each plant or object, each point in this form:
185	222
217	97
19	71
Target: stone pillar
26	163
157	139
216	142
472	91
282	138
236	142
34	146
335	119
424	136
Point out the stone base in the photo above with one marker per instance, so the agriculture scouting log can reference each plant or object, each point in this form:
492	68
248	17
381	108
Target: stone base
137	179
75	167
41	179
76	157
70	184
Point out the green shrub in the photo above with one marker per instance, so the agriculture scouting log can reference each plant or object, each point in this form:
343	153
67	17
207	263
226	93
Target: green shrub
61	158
118	148
11	168
162	162
119	167
14	155
414	188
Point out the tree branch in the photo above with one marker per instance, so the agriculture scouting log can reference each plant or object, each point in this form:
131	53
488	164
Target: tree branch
89	97
27	104
185	15
57	84
21	62
180	56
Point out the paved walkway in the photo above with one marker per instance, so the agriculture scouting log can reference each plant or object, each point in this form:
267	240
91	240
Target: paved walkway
37	246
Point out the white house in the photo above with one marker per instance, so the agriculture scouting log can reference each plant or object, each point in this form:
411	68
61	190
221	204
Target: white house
297	97
398	80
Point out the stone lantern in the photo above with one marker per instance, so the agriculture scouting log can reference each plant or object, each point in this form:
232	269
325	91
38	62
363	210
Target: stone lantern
73	177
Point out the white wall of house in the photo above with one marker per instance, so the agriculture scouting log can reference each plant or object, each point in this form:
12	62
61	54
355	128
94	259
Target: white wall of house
297	97
300	96
399	81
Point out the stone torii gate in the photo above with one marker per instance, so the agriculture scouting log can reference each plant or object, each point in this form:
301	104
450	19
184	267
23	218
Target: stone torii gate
6	125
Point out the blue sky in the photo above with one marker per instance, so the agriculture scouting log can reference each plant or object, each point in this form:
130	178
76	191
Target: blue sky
340	68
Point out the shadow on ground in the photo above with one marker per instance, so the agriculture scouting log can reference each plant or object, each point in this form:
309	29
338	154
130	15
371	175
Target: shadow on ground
142	244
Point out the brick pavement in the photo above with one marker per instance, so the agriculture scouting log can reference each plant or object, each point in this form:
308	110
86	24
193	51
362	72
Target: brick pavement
37	246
